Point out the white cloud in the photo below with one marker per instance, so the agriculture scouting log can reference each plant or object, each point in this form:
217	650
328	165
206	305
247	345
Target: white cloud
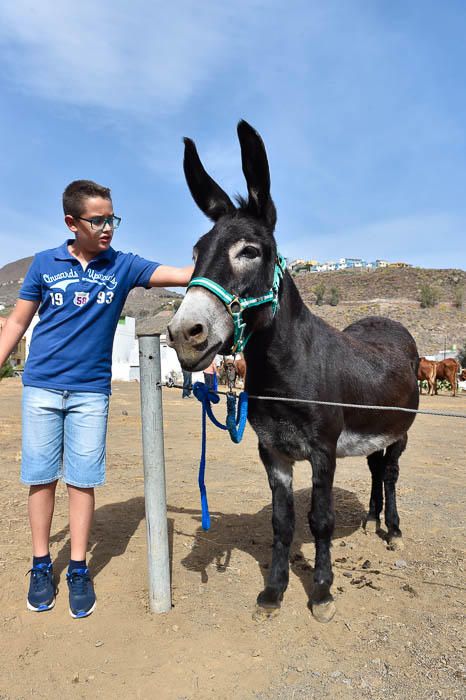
346	105
113	55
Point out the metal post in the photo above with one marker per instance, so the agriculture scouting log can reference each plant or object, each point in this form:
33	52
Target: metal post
154	474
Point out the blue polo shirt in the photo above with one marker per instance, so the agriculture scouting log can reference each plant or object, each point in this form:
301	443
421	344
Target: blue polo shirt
71	346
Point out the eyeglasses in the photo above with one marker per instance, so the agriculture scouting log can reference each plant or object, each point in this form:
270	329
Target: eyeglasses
99	222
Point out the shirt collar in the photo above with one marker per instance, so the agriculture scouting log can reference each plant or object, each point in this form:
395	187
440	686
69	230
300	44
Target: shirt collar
62	253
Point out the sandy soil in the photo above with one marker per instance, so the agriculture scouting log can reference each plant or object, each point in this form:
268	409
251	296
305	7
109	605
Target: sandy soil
398	629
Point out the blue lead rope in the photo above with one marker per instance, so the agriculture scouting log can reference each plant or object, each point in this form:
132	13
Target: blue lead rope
235	424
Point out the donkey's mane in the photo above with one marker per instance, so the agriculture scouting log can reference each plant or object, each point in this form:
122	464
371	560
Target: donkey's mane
245	209
242	202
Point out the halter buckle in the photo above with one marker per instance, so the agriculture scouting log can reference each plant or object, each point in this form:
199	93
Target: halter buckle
236	301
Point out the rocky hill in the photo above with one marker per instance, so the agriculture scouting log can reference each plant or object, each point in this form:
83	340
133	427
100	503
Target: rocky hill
387	292
394	293
384	283
14	270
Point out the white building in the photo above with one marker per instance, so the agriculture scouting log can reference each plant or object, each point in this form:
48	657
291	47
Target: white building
125	356
443	355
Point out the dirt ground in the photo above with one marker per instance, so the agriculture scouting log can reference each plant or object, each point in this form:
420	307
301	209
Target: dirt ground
398	631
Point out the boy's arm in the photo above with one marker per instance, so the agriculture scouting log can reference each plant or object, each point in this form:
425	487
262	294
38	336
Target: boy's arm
16	326
167	276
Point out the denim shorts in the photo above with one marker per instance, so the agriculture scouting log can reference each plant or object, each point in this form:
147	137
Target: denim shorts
64	435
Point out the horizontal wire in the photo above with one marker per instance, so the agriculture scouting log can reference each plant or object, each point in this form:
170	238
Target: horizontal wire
445	414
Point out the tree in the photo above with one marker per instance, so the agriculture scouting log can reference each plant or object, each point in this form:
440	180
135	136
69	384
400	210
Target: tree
334	297
428	297
319	291
462	356
6	370
459	297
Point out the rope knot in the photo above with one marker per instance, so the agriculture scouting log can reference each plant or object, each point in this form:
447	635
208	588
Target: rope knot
202	393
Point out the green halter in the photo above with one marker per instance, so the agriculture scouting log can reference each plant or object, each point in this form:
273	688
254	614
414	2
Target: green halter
236	305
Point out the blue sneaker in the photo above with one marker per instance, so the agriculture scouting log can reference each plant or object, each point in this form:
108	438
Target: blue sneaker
41	594
82	596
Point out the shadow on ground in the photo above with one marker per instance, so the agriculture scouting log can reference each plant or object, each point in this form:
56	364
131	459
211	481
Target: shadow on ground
113	527
252	533
115	524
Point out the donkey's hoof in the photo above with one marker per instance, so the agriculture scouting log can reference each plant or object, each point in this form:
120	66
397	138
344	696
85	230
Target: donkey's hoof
371	525
268	604
261	613
395	544
269	598
323	611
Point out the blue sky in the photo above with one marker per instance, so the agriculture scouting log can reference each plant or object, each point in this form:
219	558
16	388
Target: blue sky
361	104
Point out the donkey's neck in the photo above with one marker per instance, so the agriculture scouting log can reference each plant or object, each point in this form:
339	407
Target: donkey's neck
266	349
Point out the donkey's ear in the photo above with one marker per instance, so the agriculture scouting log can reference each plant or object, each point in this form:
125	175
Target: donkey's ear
256	172
209	197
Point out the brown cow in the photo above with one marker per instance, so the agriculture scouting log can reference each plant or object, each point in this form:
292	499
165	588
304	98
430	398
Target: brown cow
240	365
462	375
427	371
447	369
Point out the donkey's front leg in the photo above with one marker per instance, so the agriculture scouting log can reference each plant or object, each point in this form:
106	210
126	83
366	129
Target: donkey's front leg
322	522
280	474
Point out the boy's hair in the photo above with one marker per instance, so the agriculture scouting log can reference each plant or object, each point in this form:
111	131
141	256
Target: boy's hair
79	190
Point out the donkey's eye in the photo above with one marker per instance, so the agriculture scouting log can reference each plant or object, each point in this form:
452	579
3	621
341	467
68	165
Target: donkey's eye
250	252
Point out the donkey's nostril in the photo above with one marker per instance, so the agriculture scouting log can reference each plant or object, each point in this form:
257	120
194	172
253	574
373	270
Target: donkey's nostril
170	337
197	329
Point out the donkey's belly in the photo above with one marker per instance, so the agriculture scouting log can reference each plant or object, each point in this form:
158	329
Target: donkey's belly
352	444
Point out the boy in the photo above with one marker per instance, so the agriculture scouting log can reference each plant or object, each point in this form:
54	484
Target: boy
80	289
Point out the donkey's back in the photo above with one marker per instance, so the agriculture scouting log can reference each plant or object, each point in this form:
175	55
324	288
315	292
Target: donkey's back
381	332
384	360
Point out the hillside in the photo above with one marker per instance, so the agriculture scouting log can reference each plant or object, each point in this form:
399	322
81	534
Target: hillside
394	293
14	270
383	283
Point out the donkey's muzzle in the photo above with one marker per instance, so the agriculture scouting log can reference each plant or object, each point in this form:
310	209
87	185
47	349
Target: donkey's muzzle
194	335
199	329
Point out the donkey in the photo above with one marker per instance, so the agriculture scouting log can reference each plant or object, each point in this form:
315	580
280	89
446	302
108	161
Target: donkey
292	353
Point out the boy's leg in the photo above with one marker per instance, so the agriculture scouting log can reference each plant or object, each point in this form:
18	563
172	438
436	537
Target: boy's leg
81	508
209	380
41	594
41	504
42	445
84	467
187	384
